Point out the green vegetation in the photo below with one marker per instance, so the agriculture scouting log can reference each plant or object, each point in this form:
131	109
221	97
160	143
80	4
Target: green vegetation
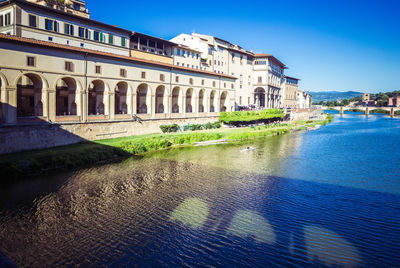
356	110
397	113
169	128
251	117
378	111
380	98
88	153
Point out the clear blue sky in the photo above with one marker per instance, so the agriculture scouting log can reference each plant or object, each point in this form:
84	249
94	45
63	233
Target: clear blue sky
329	44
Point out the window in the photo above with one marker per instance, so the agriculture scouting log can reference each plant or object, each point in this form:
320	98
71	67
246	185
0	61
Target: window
96	35
177	79
183	52
187	53
197	56
51	25
87	34
240	100
122	72
31	61
77	6
101	37
68	29
191	81
233	86
224	84
192	54
123	42
143	75
177	63
111	39
69	67
178	52
162	77
81	31
32	20
260	79
202	82
248	100
7	20
98	69
213	83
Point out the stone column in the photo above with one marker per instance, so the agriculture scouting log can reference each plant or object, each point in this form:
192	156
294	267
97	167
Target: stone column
51	102
111	101
84	103
196	105
11	105
153	105
134	103
184	104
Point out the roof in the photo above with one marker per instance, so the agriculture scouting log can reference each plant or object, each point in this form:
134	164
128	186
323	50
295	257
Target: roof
156	38
23	2
187	48
292	78
35	42
261	55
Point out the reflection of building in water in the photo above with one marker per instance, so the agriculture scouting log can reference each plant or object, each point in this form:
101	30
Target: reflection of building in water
329	248
192	212
250	224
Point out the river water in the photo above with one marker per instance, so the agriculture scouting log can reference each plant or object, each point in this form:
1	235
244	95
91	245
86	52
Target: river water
329	197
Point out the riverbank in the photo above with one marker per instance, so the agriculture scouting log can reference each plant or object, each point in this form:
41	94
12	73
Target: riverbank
30	163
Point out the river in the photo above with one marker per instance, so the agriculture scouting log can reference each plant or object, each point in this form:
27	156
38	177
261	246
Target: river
329	197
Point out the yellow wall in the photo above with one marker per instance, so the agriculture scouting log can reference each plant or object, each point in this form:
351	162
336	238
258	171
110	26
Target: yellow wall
150	56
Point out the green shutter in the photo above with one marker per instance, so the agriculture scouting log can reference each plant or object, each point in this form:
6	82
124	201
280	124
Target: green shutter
123	41
101	37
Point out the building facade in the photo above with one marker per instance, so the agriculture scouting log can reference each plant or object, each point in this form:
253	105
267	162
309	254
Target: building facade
304	100
291	85
394	102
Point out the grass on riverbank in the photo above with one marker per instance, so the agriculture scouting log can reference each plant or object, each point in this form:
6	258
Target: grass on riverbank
86	153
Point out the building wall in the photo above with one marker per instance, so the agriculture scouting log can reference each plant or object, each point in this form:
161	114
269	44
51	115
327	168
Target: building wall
40	136
290	100
186	58
151	56
20	27
50	68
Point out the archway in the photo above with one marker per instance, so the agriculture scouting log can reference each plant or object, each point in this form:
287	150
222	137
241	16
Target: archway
201	101
176	105
66	101
142	99
212	101
29	96
160	95
223	101
121	100
189	99
259	97
1	100
97	99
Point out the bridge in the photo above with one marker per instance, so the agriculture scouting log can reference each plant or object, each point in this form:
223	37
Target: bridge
390	110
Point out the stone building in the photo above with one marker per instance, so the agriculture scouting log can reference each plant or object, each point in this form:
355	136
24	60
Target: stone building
291	85
260	76
394	102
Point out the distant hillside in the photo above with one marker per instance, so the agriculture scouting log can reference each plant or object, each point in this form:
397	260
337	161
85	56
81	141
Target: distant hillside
333	95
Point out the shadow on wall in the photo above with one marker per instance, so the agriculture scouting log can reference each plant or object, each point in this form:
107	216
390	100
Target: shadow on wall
38	133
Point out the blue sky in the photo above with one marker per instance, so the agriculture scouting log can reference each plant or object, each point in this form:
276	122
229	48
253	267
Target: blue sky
329	44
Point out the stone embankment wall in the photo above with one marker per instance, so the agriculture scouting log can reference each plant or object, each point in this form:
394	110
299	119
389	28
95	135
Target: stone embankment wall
43	135
307	114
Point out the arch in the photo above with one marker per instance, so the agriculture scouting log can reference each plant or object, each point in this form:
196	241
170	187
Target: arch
143	101
30	95
121	100
176	100
97	98
67	96
223	101
259	97
160	99
189	100
212	101
201	101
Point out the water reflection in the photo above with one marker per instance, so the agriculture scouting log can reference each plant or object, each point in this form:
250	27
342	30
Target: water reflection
214	207
329	248
250	224
192	212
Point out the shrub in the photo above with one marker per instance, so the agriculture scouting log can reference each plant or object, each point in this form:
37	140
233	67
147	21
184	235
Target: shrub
249	117
169	128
